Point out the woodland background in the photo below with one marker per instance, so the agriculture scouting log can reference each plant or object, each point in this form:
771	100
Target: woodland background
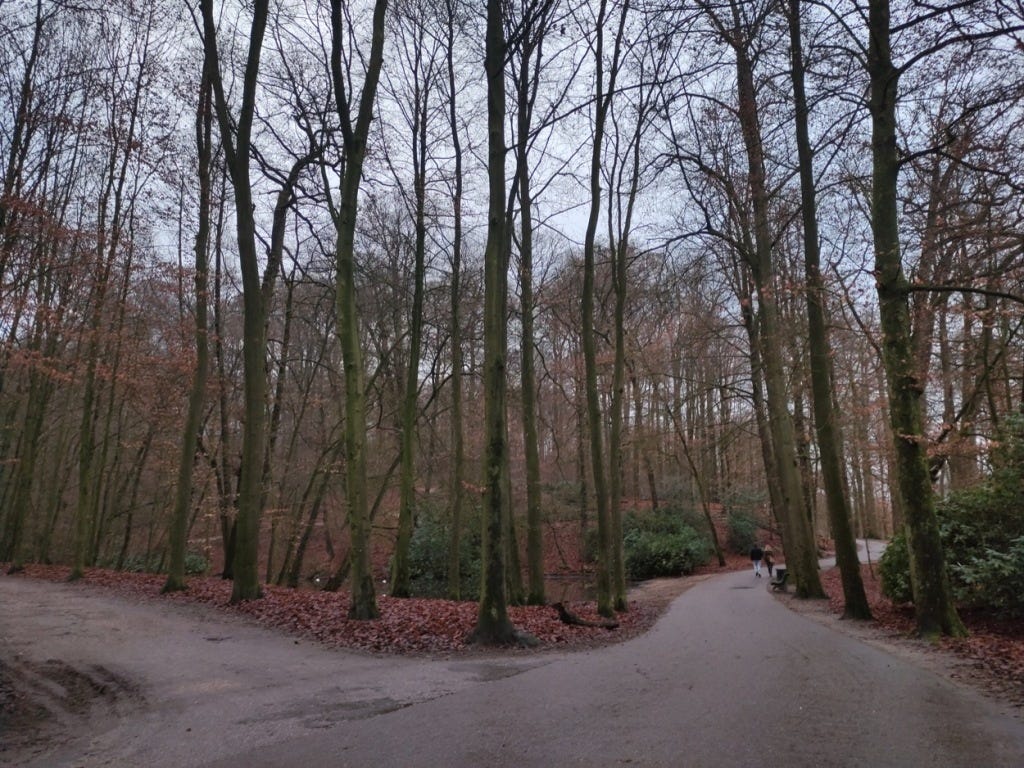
651	207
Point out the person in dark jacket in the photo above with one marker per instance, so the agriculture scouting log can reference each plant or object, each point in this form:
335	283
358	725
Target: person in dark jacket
756	554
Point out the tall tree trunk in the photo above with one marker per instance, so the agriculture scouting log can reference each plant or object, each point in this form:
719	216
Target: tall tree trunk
227	499
526	92
455	491
400	586
801	555
620	247
364	601
235	134
933	603
641	443
772	474
602	103
827	431
179	524
582	492
493	624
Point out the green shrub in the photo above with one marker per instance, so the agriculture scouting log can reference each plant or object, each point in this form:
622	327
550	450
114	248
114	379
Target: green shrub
196	563
984	577
982	533
428	554
657	543
743	531
683	515
662	521
662	543
993	580
651	554
894	567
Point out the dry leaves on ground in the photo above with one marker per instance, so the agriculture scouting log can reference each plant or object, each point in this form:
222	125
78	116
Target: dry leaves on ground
410	625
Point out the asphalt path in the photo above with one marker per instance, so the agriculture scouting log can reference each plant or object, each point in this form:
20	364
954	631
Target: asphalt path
728	677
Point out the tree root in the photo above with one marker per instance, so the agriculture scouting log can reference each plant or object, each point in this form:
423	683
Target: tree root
568	617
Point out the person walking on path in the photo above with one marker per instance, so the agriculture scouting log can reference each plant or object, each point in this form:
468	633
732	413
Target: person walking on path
756	553
769	558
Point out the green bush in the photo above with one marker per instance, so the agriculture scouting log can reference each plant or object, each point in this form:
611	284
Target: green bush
982	533
663	520
993	580
894	567
663	543
984	572
196	563
428	554
658	543
685	514
651	554
743	531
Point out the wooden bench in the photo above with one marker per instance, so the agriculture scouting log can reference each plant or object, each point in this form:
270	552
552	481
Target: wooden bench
778	583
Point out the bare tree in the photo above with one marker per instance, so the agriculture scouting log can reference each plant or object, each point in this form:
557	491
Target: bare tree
826	425
609	550
355	126
190	439
493	624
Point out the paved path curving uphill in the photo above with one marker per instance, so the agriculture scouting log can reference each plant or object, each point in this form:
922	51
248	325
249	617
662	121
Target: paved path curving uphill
728	677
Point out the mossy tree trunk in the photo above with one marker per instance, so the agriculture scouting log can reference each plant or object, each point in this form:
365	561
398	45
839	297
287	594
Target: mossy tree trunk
193	418
603	94
526	93
933	603
423	69
235	135
455	492
493	624
801	555
827	431
625	172
354	135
